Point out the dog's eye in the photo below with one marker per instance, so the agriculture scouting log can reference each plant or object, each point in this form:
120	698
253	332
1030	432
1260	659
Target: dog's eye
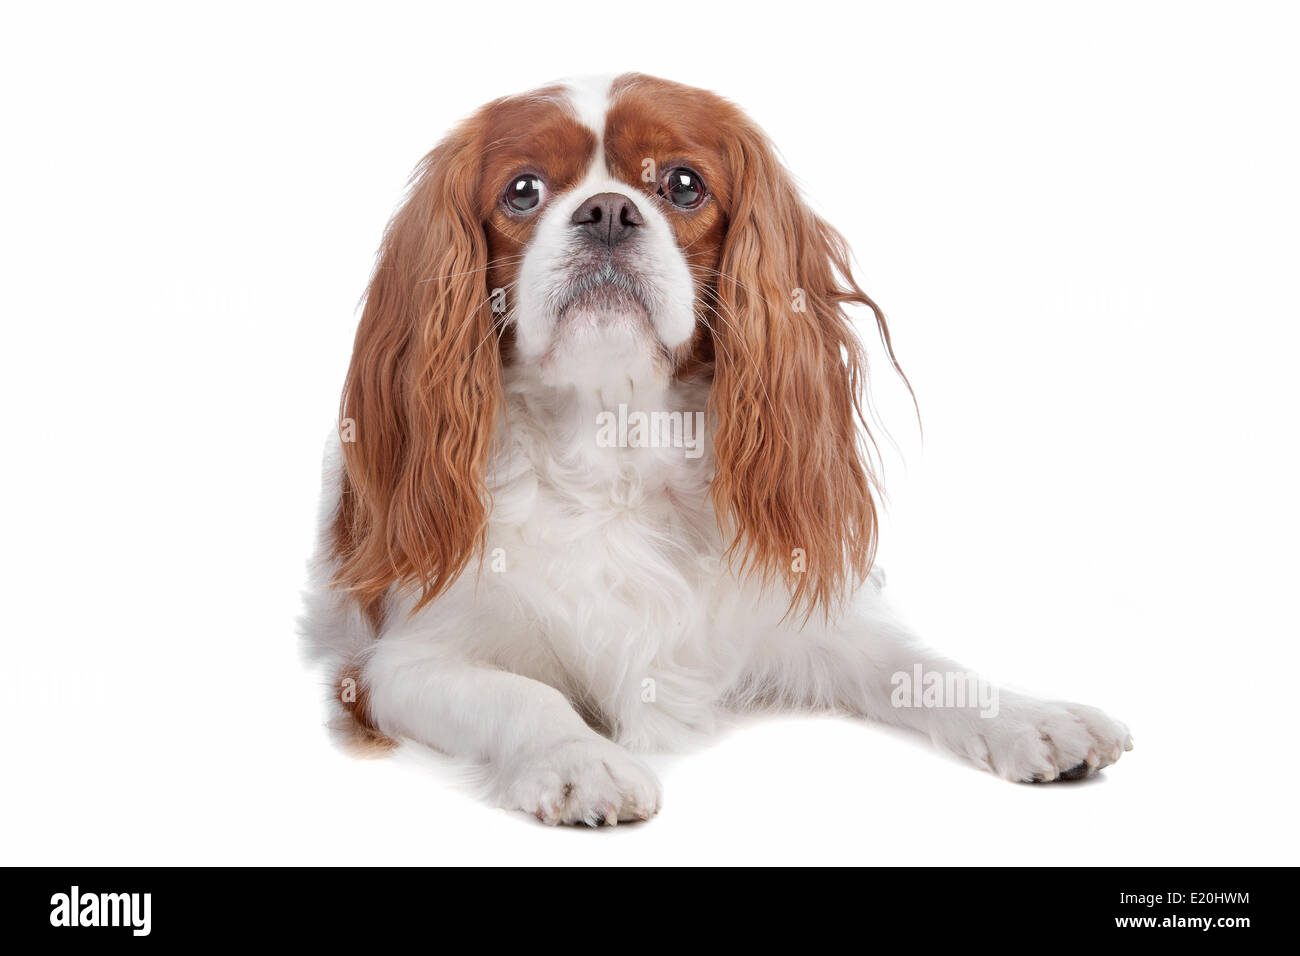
683	188
525	193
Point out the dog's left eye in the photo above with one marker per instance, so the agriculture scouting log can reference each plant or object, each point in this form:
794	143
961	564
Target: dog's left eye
525	193
683	188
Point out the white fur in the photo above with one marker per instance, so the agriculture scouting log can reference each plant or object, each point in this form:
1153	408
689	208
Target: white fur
603	620
589	98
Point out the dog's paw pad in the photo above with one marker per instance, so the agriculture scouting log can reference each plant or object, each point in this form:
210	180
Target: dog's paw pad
1077	772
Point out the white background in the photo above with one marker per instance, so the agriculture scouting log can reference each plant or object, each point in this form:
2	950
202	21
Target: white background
1081	220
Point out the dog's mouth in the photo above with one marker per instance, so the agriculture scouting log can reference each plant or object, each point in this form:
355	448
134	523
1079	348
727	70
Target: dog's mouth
604	326
604	293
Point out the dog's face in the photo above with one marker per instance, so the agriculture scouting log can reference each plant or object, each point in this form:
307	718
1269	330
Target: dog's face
605	208
629	231
592	242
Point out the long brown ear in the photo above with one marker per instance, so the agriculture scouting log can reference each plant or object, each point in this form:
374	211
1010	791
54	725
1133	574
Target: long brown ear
422	392
791	440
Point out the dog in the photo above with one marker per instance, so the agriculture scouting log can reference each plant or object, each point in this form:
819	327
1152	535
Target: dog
604	473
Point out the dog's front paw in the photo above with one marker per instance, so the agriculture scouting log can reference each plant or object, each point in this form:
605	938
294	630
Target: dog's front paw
1037	741
591	781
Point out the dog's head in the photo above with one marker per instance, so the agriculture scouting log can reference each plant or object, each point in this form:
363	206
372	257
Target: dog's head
594	234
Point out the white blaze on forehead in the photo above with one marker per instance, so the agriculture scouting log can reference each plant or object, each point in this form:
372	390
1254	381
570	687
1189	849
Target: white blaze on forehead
590	98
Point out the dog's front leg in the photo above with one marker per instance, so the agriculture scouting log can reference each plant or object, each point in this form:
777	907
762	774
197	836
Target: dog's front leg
871	665
541	756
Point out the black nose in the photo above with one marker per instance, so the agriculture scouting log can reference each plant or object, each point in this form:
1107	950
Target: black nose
609	218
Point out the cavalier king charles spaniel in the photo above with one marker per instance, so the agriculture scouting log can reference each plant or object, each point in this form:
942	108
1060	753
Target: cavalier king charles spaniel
603	470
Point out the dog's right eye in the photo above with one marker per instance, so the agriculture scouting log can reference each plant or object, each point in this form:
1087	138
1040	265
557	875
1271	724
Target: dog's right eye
525	193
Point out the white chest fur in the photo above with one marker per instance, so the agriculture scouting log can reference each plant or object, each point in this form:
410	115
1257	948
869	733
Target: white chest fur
604	561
